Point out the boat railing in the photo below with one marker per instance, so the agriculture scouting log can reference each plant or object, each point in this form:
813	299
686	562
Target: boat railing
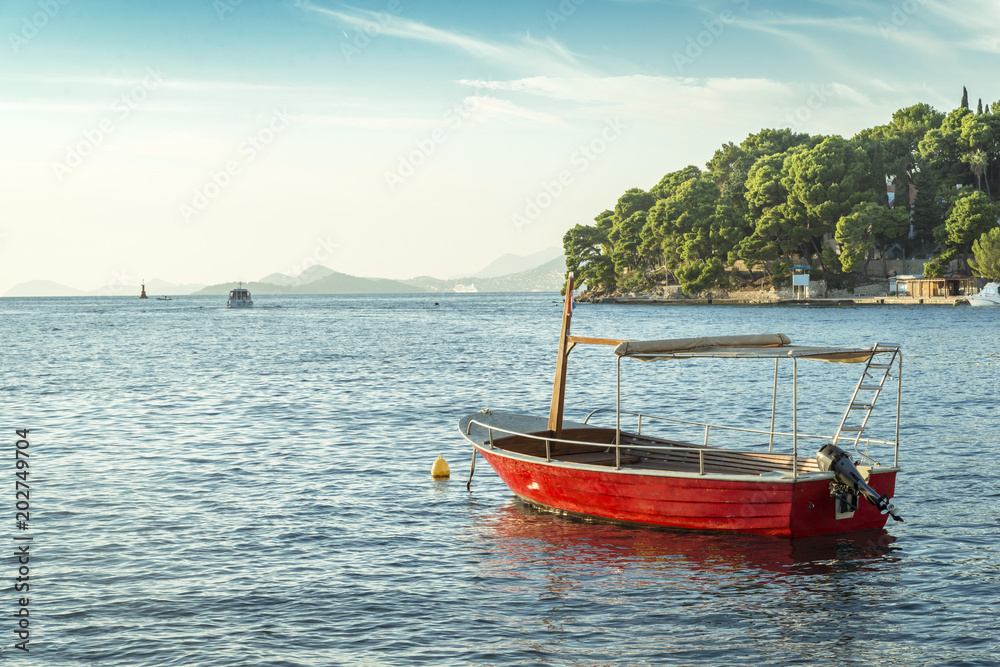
772	434
549	440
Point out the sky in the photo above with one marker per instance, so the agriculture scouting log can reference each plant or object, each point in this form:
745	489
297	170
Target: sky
210	141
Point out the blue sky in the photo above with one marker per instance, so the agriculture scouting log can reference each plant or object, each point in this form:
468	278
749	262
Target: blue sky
209	141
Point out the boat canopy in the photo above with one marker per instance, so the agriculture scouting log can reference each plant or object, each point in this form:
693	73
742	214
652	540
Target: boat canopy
760	346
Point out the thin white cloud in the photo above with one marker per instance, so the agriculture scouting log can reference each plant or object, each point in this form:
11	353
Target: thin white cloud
635	91
977	20
929	27
525	53
383	23
672	102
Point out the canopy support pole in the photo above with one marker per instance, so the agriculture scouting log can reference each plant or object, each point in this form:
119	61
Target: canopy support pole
774	404
618	417
795	418
559	385
899	398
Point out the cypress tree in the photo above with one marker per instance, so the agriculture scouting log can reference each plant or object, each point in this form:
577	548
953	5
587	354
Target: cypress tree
979	109
965	98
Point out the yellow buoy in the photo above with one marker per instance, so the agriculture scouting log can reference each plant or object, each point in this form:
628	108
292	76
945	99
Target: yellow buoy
440	469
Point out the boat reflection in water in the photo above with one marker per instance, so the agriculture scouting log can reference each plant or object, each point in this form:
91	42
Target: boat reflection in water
526	536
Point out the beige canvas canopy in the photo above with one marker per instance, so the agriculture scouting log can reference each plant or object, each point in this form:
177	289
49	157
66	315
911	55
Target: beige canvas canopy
760	346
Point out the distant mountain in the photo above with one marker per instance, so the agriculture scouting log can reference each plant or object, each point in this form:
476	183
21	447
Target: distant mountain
548	277
509	264
255	288
312	274
153	288
539	272
341	283
43	288
428	284
331	282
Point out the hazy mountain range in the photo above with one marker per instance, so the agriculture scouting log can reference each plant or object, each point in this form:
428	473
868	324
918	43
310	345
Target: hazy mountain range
539	272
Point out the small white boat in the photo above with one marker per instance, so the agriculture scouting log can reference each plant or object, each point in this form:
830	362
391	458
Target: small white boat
239	298
465	289
988	296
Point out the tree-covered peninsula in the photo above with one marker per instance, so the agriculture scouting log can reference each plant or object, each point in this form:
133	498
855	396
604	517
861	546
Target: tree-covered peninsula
781	199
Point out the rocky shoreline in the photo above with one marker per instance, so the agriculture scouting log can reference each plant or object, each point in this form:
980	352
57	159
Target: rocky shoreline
873	294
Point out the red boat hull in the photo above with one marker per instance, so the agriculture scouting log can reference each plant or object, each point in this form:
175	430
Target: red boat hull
787	508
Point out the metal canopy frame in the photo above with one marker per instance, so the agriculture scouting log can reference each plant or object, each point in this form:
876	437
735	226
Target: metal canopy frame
774	400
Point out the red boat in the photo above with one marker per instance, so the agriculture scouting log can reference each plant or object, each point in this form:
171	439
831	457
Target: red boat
608	473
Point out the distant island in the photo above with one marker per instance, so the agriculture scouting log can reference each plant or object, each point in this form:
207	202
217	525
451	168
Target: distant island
538	272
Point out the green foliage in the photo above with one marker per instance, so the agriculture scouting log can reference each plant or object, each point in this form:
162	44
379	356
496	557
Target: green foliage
971	215
828	181
938	267
670	182
632	202
779	197
986	250
942	148
928	213
585	248
700	276
869	226
635	281
781	275
913	123
731	165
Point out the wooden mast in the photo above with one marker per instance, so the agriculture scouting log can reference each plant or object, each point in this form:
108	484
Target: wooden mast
559	386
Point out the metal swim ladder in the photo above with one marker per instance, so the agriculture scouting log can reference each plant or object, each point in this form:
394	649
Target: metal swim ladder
872	381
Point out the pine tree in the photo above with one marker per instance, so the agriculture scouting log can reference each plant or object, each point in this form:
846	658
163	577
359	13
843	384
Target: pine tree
928	214
965	98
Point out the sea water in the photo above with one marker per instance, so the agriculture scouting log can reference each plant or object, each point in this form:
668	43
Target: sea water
252	487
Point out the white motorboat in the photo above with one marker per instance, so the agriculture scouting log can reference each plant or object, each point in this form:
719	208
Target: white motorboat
988	296
239	298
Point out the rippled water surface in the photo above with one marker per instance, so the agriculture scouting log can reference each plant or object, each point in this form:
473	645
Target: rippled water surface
224	487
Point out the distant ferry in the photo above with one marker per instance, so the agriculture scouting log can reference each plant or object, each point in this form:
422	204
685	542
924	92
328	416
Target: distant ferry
463	289
239	298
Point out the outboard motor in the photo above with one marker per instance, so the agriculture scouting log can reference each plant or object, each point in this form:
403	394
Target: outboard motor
833	458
